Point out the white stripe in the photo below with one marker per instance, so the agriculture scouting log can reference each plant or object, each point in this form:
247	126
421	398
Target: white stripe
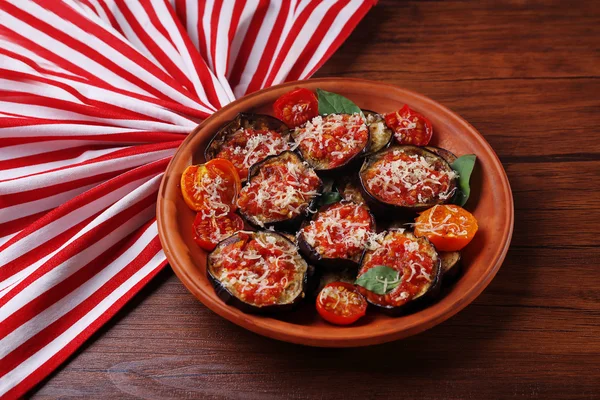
240	33
32	149
206	26
57	227
71	129
22	210
332	33
28	366
301	40
82	171
62	49
257	49
41	167
188	67
132	37
86	255
222	46
191	12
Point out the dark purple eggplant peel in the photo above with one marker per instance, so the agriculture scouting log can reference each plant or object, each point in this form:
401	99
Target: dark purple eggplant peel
292	295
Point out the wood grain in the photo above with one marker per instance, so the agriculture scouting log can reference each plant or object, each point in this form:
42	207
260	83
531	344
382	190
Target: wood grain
527	75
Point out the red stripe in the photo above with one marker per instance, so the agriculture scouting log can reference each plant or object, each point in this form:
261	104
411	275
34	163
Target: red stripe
97	192
289	41
110	16
64	11
104	229
214	30
204	73
315	40
201	37
50	156
16	225
181	10
269	50
154	48
94	81
248	43
30	257
344	33
31	380
235	21
130	138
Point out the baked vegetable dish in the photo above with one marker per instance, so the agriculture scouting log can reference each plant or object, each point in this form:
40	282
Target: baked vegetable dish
352	210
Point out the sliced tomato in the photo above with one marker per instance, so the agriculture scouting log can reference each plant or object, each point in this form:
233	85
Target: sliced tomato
340	303
448	227
409	126
200	183
296	107
209	231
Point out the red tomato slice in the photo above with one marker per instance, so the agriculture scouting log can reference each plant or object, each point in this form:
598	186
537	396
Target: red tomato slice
296	107
340	303
409	127
448	227
200	182
209	231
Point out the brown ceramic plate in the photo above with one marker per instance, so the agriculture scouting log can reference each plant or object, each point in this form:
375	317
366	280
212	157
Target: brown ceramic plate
491	202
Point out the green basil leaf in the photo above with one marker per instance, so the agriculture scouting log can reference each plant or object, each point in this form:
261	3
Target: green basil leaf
463	166
329	198
380	279
332	103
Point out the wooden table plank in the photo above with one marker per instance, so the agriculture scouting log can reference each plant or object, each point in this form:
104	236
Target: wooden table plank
527	75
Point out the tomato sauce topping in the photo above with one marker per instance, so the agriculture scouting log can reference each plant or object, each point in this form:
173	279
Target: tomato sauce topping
403	178
282	189
339	231
248	146
415	260
260	268
331	140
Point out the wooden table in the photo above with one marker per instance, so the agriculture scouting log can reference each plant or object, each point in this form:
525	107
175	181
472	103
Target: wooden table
527	75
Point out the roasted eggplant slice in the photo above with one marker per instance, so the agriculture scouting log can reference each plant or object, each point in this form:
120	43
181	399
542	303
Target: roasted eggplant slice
349	188
248	139
330	142
406	178
258	272
336	236
380	135
450	265
279	192
418	266
447	155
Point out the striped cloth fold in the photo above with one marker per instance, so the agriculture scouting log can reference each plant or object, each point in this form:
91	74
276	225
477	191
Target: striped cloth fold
95	98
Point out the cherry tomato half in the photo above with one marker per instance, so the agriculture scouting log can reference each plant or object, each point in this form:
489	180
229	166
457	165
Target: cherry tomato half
448	227
296	107
340	303
209	231
214	185
409	127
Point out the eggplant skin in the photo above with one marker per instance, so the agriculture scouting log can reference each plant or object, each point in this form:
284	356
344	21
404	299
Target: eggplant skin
451	266
349	188
384	209
324	169
423	300
328	264
286	225
447	155
231	299
378	139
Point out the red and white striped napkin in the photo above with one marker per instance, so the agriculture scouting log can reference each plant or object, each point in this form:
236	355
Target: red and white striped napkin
95	97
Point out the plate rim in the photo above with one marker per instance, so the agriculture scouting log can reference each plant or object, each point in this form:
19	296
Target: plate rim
367	338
